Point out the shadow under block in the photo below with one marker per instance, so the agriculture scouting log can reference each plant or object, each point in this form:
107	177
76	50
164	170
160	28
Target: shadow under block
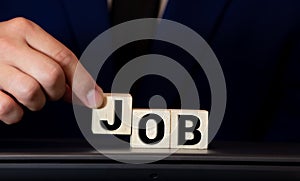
150	128
115	116
189	129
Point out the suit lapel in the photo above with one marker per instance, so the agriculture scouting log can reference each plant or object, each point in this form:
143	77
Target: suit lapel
203	16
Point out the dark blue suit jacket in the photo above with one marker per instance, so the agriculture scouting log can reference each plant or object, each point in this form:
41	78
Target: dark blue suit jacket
256	42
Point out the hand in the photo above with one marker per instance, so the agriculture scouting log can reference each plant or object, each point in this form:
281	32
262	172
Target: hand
35	67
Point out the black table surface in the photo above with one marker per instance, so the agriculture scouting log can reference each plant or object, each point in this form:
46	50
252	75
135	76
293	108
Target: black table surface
76	159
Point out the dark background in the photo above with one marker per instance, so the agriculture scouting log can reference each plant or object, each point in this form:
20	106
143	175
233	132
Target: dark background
256	42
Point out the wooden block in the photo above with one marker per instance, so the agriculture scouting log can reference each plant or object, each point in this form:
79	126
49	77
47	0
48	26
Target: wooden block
157	132
189	129
115	116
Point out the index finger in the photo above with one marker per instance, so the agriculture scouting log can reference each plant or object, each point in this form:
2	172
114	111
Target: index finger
85	89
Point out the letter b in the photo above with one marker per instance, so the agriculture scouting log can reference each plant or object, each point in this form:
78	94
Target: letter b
189	129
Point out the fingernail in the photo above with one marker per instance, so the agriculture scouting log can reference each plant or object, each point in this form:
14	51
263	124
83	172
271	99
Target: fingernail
94	98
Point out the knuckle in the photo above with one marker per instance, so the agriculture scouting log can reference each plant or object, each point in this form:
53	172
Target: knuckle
54	76
16	120
5	107
30	96
55	81
28	91
65	57
6	45
21	23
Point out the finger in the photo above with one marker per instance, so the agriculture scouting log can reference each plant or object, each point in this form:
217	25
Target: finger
85	88
40	67
68	94
10	111
70	97
22	87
